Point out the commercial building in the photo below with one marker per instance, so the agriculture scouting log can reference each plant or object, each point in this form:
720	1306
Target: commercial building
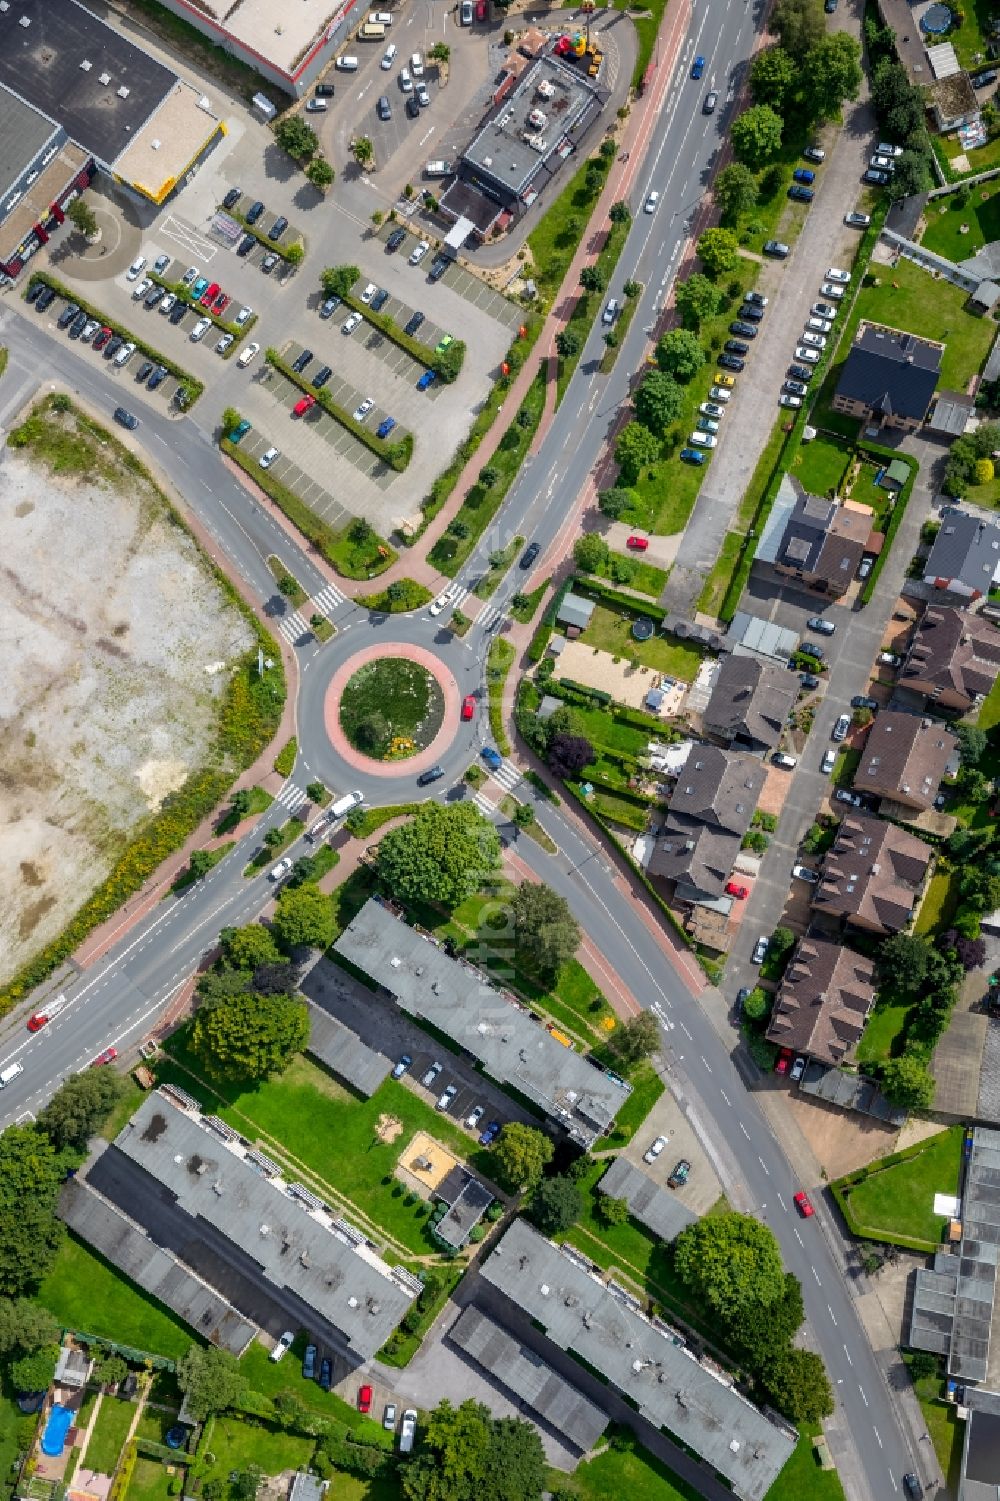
965	556
750	702
493	1026
824	1000
953	660
816	543
710	809
214	1213
41	172
643	1358
872	875
889	377
289	45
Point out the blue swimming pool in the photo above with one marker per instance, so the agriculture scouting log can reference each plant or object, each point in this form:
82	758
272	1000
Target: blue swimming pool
54	1437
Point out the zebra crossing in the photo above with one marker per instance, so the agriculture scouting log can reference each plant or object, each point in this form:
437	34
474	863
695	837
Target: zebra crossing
484	805
293	627
326	601
507	775
488	616
291	797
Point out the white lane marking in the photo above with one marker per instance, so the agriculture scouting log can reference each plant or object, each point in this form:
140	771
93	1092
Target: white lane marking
764	1165
832	1314
848	1354
782	1203
798	1237
746	1133
816	1275
687	1034
726	1098
877	1435
863	1397
706	1062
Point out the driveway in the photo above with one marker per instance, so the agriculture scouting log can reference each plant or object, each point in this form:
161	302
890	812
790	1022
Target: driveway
667	1119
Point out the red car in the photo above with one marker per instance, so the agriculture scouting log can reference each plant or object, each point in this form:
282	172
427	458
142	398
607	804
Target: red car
210	294
639	544
102	338
802	1204
784	1059
305	404
365	1399
108	1056
36	1023
469	706
481	11
221	303
733	889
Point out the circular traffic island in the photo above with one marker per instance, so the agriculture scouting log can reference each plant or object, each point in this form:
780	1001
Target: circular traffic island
391	708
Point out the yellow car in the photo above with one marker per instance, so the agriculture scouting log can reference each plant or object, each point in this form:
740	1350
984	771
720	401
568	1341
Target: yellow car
723	380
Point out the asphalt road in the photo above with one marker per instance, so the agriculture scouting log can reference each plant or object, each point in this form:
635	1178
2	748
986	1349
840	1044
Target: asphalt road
119	997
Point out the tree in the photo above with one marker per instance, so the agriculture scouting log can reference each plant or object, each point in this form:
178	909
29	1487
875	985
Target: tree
635	1039
199	864
902	960
337	281
593	279
613	1211
798	25
465	1453
718	251
210	1379
568	343
276	979
614	503
618	213
25	1326
772	74
974	786
757	1005
30	1179
756	135
515	1461
782	939
296	137
923	1365
250	1035
82	216
524	815
679	354
569	754
241	801
696	299
556	1204
545	928
304	916
320	173
912	175
488	477
591	552
246	948
907	1082
79	1106
316	792
440	52
971	951
442	854
448	363
831	73
520	1156
761	1331
109	1369
635	449
658	401
373	732
33	1373
973	743
231	419
363	151
730	1260
736	193
797	1384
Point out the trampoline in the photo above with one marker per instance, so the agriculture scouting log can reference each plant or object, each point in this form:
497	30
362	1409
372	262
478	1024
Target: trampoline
642	630
56	1429
936	20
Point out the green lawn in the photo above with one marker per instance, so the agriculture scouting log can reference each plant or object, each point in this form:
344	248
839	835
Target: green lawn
647	1086
714	592
803	1477
945	216
899	1200
611	631
604	733
149	1482
940	902
646	577
401	696
269	1377
942	1423
108	1435
639	1254
883	1030
616	1473
156	1422
989	714
350	1488
844	767
86	1294
16	1433
821	465
238	1443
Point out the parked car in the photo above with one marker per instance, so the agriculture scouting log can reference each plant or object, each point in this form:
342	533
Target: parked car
841	728
860	701
795	388
326	1373
733	888
426	380
361	411
784	760
798	194
745	330
379	300
692	456
364	1399
401	1066
136	269
782	1061
828	762
750	311
322	376
882	163
268	457
226	342
803	352
730	361
801	372
389	1417
712	409
303	405
798	1069
785	400
444	1101
490	1134
890	659
472	1121
329	307
814	340
309	1363
819	325
854	220
757	298
431	1074
418	252
283	1346
240	431
413	322
814	154
301	361
823	310
610	310
680	1174
702	439
809	680
394	241
720	393
875	178
246	356
738	348
776	248
839	277
842	795
654	1149
832	290
638	544
408	1431
385	427
350	323
804	873
759	950
823	626
200	329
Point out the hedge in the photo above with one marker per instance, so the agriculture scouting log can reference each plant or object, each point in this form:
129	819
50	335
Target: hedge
649	608
183	294
396	454
598	694
263	239
876	451
196	386
540	640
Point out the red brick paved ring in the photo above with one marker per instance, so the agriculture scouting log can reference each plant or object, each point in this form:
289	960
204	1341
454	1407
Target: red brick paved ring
412	765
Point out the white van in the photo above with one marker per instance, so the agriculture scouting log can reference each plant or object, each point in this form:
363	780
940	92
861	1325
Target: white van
347	64
10	1072
372	31
390	57
437	169
343	805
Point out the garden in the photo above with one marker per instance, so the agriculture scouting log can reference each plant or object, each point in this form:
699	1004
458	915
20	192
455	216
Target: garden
960	223
391	708
610	630
894	1200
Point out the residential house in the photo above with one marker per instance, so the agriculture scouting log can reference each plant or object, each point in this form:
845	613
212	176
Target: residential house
904	758
872	874
965	557
889	377
709	812
750	703
817	543
824	1000
953	660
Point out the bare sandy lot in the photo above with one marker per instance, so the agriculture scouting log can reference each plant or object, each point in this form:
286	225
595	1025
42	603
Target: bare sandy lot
116	642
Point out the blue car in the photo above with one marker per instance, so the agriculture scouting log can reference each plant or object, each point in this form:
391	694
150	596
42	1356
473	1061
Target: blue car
800	194
199	287
803	174
427	379
490	1134
386	427
698	67
309	1363
492	758
692	456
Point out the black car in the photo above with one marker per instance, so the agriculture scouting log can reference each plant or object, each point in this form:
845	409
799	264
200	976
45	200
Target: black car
34	291
745	330
379	301
324	91
254	212
432	774
47	297
801	195
876	178
113	345
177	312
757	298
78	325
322	376
326	1373
394	241
777	248
153	296
829	6
144	370
800	372
795	388
730	362
246	245
414	323
157	378
911	1484
232	198
67	315
439	266
277	228
736	346
529	555
751	311
741	995
859	701
126	418
809	680
384	108
983	80
309	1363
810	649
300	364
412	107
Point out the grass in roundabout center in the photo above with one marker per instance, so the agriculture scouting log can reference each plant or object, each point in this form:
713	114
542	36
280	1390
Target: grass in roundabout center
391	708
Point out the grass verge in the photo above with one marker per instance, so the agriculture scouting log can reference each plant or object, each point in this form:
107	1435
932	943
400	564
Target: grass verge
498	664
500	561
893	1200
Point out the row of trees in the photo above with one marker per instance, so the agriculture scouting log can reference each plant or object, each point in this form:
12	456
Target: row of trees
899	105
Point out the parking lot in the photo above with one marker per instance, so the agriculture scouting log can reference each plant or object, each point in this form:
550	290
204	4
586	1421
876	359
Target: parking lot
495	304
163	390
317	423
288	473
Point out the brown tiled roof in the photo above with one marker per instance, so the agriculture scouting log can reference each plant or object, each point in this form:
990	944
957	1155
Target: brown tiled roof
872	873
954	652
824	1000
844	545
751	698
905	757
